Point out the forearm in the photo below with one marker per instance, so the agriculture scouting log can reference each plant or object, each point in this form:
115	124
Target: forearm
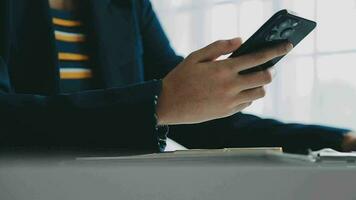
294	138
243	130
104	119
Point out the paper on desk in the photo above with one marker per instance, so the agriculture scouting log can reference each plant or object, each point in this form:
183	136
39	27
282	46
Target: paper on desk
332	155
197	153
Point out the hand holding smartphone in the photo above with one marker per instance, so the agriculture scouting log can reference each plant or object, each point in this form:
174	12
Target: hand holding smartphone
281	27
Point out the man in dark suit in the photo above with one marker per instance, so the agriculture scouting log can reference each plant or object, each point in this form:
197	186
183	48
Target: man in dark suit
100	74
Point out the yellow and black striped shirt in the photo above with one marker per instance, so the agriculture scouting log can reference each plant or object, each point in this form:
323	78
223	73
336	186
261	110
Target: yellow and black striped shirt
72	47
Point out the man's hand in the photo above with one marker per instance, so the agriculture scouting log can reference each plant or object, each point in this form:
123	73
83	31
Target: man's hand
349	142
202	88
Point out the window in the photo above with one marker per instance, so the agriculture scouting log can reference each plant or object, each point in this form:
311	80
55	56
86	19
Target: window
315	84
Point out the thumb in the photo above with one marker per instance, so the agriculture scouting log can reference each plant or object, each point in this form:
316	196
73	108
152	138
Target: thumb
217	49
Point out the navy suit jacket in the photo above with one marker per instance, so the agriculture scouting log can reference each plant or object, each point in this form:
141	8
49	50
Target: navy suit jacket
131	54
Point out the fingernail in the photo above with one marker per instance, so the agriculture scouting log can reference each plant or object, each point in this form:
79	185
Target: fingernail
273	72
289	47
237	40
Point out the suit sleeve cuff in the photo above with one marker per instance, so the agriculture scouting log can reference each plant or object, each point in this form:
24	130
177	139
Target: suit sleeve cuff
161	131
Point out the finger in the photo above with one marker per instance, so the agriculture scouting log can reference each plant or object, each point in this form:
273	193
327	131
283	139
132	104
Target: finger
251	95
273	71
260	57
254	80
216	49
251	60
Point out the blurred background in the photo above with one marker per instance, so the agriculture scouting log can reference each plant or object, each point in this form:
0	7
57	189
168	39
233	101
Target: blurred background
316	83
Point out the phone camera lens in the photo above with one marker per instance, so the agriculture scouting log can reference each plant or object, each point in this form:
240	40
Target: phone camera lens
295	23
287	33
272	36
285	24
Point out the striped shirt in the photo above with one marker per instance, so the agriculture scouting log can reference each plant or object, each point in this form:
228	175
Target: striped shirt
72	48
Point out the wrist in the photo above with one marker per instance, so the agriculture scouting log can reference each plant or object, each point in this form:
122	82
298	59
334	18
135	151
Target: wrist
158	111
160	122
161	111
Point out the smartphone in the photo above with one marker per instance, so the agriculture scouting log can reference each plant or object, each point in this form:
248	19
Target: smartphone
281	27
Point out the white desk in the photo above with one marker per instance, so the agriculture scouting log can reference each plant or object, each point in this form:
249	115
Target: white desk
176	179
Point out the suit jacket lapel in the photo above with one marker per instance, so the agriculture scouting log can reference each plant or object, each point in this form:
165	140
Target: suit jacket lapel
114	35
35	62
